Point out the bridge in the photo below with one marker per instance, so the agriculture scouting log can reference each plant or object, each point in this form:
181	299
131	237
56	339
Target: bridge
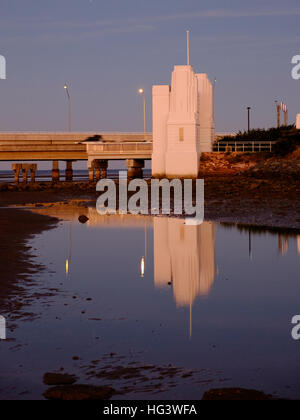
97	148
62	146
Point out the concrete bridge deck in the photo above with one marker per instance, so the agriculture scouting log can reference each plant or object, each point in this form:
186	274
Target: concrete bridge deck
65	146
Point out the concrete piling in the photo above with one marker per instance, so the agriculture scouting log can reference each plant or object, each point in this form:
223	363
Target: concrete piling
135	168
55	171
24	168
16	167
69	170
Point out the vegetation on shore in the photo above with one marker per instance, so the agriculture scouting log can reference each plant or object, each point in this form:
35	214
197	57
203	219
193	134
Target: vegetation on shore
286	138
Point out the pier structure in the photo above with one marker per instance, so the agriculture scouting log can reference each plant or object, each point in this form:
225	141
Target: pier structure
24	169
96	148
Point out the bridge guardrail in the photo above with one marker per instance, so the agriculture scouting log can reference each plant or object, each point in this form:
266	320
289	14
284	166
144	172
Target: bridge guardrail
242	147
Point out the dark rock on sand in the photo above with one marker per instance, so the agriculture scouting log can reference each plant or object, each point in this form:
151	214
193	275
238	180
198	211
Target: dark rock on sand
79	393
83	219
235	394
59	379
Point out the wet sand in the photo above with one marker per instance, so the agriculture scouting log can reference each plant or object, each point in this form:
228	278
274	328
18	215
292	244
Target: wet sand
16	257
258	202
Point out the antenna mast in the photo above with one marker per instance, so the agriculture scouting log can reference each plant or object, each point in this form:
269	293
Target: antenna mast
188	47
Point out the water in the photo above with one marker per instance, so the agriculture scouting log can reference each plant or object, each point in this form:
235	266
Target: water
214	300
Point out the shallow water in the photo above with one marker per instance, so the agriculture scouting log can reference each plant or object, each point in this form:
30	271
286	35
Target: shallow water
213	300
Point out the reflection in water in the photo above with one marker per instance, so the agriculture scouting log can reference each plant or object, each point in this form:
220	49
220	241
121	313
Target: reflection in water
142	267
68	260
184	256
283	244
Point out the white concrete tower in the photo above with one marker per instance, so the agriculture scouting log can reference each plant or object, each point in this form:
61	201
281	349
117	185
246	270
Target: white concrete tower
183	146
206	113
183	124
161	108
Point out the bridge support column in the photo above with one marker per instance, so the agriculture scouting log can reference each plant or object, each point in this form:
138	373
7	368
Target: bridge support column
97	170
69	170
100	167
135	168
55	171
33	169
91	174
16	167
25	173
103	167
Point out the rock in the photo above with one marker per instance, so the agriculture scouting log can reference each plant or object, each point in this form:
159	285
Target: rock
83	219
235	394
79	393
59	379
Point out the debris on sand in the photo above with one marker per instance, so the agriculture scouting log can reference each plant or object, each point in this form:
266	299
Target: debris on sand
79	393
83	219
59	379
235	394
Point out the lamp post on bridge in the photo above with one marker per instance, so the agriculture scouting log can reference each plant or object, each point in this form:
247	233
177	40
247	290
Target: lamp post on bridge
69	106
248	109
142	92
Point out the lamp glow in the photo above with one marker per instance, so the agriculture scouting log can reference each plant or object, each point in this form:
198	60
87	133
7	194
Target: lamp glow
142	267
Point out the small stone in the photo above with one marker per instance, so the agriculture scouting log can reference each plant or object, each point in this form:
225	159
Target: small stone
59	379
83	219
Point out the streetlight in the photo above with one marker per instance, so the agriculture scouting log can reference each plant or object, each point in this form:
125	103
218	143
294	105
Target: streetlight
142	92
249	109
69	106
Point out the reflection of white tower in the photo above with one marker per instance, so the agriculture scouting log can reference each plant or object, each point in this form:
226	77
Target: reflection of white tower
2	328
184	255
183	123
162	259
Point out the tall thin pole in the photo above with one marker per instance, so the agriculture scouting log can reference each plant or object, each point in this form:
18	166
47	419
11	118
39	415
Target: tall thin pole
144	98
249	109
69	106
188	46
142	92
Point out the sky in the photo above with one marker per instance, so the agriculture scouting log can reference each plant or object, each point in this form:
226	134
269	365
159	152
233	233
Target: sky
106	50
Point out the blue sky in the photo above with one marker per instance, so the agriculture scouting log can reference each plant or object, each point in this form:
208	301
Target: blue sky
105	50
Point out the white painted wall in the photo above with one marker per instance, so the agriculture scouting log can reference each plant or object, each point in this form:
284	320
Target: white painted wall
183	124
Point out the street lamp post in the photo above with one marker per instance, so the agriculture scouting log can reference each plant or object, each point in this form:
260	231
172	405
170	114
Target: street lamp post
142	92
69	106
248	109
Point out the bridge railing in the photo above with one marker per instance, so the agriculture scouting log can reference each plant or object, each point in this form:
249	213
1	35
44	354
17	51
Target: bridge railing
120	148
243	147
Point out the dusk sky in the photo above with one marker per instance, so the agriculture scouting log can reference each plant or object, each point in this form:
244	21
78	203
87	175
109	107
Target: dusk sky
106	50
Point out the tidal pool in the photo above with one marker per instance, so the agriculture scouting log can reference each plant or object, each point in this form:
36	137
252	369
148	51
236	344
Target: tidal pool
157	309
